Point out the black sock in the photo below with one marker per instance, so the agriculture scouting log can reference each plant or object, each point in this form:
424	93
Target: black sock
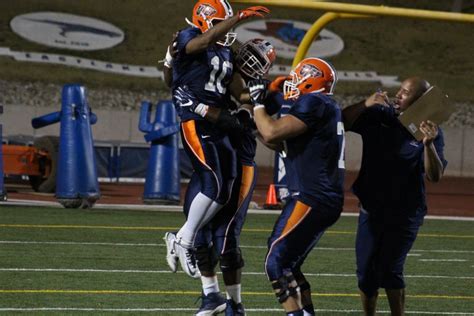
309	309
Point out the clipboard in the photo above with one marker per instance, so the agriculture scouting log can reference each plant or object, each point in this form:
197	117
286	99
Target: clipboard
433	105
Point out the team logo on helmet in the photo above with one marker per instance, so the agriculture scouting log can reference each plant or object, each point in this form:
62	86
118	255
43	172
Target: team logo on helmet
311	75
309	70
266	47
205	10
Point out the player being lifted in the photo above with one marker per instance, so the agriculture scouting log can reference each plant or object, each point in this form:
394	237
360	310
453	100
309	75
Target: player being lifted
313	135
204	65
219	240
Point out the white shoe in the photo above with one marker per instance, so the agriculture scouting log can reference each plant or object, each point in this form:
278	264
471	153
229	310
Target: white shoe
171	256
187	260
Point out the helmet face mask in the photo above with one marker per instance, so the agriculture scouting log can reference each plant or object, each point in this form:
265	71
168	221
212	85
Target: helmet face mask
229	39
208	13
312	75
255	57
290	88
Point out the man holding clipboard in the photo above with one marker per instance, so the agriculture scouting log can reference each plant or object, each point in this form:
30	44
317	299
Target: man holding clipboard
432	106
390	185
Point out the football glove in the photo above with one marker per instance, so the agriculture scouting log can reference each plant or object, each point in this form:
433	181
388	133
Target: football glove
256	11
258	91
245	118
235	125
185	98
277	84
171	52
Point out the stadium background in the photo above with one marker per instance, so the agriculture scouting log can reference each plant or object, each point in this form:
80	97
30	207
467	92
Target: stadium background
439	51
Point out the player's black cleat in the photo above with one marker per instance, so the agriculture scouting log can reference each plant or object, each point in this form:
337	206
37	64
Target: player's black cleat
212	304
234	309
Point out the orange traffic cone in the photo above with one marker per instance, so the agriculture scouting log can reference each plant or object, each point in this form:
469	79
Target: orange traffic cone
271	202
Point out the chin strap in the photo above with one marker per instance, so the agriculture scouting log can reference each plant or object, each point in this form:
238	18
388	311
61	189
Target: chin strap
318	91
190	23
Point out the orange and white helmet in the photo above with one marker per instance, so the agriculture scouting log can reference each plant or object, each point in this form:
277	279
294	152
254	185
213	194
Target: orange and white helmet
311	75
255	57
207	13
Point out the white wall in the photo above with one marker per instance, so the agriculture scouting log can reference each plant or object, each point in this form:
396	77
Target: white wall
113	125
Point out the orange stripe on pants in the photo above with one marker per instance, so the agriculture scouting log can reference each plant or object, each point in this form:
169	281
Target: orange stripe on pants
299	212
192	139
246	182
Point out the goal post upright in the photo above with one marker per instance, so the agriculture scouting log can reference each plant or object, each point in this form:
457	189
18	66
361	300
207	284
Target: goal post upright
336	11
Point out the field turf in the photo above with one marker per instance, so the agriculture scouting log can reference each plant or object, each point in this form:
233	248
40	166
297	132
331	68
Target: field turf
70	262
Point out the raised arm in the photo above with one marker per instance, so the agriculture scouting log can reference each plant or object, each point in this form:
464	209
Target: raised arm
205	40
238	88
171	53
272	131
433	166
351	113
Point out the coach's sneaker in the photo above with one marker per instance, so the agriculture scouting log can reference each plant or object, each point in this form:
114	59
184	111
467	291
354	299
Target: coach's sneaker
187	260
212	304
171	256
234	309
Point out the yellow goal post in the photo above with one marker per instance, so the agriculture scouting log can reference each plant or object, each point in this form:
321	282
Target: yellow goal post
336	11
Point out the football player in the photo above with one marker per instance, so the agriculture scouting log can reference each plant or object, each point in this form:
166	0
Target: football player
218	242
313	134
204	65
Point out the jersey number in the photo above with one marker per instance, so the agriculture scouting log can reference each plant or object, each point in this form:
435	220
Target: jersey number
340	132
215	84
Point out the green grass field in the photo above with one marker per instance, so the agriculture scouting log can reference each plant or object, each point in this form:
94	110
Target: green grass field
440	51
70	262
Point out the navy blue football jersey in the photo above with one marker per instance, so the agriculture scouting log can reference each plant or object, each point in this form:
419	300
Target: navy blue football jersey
207	74
247	149
245	144
317	156
391	177
276	103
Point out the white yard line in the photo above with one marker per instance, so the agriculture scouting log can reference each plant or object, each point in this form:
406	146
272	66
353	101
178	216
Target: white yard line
344	275
163	245
443	251
81	243
443	260
151	310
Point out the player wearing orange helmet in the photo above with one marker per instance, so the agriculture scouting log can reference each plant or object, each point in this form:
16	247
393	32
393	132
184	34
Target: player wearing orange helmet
313	135
203	66
313	75
215	19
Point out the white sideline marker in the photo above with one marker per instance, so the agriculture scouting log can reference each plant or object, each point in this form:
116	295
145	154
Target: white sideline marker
343	275
163	245
443	260
80	243
151	310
